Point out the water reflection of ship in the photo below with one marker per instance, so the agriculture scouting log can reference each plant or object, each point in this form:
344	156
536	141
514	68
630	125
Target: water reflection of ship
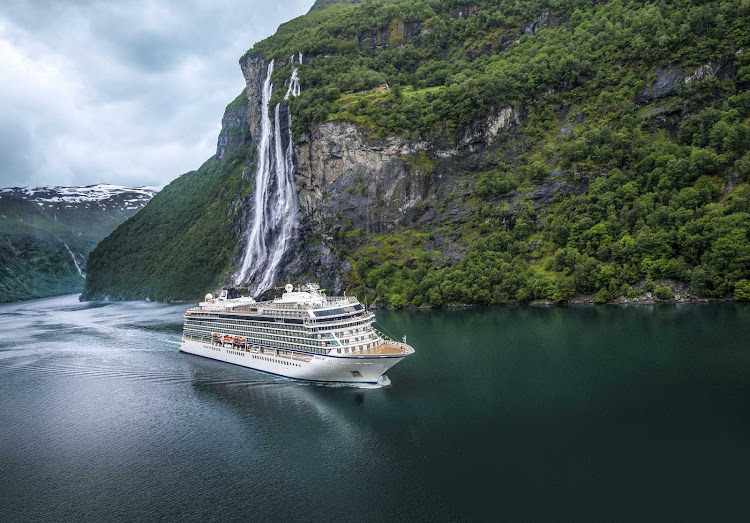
307	439
279	400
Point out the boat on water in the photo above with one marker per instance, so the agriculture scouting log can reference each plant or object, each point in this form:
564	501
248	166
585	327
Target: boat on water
303	334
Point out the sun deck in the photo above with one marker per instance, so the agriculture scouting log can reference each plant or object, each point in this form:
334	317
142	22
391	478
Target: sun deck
387	348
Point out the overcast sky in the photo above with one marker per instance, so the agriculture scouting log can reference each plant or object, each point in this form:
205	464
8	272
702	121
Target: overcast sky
128	92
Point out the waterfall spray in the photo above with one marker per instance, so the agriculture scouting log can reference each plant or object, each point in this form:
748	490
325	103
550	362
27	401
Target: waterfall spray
274	220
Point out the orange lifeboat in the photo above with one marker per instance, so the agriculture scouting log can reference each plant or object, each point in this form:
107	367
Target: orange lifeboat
239	339
228	338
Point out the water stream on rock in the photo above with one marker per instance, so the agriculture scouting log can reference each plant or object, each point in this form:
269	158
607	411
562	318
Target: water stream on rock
274	216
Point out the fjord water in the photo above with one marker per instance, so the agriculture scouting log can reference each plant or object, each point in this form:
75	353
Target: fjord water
508	413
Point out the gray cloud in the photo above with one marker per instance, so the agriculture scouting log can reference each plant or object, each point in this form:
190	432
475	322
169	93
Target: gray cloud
130	93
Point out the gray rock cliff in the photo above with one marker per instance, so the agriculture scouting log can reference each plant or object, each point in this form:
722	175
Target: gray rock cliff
235	126
350	184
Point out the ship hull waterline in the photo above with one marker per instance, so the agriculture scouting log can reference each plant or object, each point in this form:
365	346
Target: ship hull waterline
322	368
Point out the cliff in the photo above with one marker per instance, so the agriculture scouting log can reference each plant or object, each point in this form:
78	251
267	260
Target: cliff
483	154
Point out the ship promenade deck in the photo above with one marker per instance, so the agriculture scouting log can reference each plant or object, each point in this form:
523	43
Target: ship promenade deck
272	306
387	348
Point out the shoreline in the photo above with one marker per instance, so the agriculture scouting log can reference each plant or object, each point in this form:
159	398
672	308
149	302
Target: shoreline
578	300
647	298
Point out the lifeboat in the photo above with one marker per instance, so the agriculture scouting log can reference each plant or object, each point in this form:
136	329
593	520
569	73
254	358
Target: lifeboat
239	339
228	338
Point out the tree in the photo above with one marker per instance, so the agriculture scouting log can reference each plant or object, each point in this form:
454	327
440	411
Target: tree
663	292
742	290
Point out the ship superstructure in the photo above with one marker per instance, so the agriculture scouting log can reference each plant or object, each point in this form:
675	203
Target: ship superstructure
304	334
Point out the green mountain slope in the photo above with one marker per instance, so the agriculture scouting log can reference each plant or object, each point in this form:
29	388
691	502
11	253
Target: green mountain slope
562	148
179	243
46	234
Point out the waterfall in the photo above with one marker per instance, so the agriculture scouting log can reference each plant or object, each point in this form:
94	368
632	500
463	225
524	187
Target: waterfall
293	85
274	217
78	266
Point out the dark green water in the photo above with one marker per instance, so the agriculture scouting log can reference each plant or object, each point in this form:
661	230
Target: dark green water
522	413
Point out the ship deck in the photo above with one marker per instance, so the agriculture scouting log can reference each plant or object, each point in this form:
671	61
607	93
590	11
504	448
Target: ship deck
384	349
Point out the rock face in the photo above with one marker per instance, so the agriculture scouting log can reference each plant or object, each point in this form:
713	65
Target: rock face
254	70
670	79
545	19
486	130
383	180
339	156
465	11
235	126
349	183
394	33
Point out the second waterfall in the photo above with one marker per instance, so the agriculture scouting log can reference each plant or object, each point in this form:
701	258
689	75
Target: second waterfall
274	215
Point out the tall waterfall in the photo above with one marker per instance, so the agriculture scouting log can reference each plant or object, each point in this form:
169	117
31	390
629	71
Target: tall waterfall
274	217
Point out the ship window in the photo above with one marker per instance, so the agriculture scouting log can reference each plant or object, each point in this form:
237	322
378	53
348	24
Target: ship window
331	312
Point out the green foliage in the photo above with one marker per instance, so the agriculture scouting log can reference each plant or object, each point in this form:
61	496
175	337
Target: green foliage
34	265
39	244
635	190
663	292
397	301
601	296
742	290
656	204
180	244
456	74
496	183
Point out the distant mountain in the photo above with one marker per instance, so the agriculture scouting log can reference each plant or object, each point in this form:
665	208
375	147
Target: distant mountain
47	233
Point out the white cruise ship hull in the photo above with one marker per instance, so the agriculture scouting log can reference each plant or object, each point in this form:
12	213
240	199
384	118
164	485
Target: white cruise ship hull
346	369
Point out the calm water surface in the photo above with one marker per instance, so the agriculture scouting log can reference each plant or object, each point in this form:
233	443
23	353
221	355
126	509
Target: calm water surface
519	413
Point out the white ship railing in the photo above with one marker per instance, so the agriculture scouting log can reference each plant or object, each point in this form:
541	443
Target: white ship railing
270	304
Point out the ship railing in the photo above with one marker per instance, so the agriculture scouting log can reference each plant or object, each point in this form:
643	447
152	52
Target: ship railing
345	319
277	352
387	339
345	299
403	346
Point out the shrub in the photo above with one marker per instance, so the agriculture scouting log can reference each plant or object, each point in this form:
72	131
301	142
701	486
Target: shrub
602	296
397	301
663	292
742	290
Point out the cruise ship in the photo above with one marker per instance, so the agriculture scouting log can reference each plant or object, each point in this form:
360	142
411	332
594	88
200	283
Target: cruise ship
304	334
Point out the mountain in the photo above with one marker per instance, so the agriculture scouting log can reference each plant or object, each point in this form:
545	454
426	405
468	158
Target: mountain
445	152
46	234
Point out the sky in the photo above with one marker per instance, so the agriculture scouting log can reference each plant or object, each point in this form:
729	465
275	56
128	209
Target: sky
129	93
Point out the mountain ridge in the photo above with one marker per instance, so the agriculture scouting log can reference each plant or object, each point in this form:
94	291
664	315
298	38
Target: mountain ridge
485	153
48	232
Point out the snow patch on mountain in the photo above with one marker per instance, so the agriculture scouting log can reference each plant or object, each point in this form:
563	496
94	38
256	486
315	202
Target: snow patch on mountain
97	196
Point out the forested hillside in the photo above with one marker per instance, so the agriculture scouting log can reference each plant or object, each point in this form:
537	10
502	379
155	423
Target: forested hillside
559	148
46	234
177	245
